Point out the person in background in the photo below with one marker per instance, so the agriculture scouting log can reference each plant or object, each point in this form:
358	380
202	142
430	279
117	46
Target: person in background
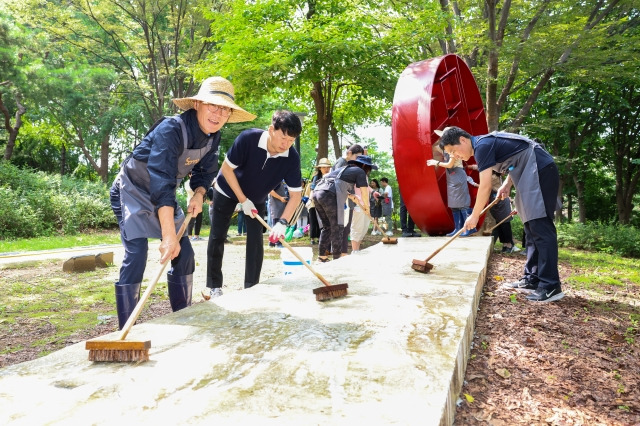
257	162
458	197
143	194
406	223
387	204
242	229
375	203
329	197
351	154
359	220
500	211
533	172
322	168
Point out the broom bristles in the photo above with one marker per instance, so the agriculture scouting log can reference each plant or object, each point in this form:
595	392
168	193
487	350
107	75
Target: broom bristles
118	350
330	292
111	355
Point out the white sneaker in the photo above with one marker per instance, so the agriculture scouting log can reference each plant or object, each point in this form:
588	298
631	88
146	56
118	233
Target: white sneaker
209	293
389	233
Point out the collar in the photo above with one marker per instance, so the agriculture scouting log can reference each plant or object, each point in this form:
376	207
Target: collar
262	143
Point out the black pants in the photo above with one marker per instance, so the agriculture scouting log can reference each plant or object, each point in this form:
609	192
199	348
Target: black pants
406	223
197	221
331	233
541	236
345	233
314	226
223	209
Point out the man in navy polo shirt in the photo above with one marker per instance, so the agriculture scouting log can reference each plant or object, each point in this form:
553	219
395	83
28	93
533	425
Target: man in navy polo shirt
255	164
535	175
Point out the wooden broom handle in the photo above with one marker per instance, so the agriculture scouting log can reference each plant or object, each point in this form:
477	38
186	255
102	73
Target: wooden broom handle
295	253
136	311
513	213
461	231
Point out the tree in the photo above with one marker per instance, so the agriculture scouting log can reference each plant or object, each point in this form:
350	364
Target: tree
341	56
11	106
523	44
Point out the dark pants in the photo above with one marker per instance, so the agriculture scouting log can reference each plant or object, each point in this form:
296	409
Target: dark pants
504	233
541	236
242	229
406	223
314	226
331	234
197	221
223	209
136	249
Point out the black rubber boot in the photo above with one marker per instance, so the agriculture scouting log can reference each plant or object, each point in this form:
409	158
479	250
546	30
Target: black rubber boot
127	296
179	288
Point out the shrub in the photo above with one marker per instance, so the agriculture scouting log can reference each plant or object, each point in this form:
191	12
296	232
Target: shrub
37	204
596	236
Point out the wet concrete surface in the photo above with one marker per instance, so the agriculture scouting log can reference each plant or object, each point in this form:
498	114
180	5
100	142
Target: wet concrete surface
393	351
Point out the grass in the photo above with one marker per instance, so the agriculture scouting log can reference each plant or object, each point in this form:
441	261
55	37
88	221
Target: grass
42	295
67	241
600	270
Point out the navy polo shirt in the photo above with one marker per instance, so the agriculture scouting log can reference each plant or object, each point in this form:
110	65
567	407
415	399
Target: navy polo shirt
492	149
162	147
258	173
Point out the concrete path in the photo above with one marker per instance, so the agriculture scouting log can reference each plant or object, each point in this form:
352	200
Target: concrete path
392	352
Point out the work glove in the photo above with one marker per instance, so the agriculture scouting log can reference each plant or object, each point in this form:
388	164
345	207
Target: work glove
304	200
277	231
249	208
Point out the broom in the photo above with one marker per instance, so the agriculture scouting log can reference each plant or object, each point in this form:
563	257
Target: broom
386	239
129	351
322	293
424	266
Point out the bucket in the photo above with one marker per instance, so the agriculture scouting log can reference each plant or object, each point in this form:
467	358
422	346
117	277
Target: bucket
291	265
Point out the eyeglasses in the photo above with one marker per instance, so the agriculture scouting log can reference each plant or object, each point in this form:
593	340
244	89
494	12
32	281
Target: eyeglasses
217	109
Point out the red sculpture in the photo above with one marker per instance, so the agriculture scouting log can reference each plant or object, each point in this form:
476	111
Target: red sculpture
431	95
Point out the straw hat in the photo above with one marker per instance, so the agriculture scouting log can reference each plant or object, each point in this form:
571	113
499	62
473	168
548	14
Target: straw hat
324	162
217	91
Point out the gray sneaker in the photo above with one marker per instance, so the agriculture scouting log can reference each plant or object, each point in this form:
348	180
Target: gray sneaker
545	295
522	286
209	293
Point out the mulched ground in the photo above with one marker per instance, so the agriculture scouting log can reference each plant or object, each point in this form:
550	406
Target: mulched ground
572	362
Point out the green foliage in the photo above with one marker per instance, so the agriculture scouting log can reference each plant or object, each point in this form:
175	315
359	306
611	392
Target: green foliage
37	204
596	236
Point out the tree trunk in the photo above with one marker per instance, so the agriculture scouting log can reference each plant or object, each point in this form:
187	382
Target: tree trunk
558	215
63	159
335	138
103	171
12	130
323	119
582	210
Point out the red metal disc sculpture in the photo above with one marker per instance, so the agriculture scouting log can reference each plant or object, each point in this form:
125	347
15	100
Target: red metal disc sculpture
431	95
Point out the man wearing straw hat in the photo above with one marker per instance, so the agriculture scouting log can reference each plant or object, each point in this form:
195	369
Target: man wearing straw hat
143	195
257	162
